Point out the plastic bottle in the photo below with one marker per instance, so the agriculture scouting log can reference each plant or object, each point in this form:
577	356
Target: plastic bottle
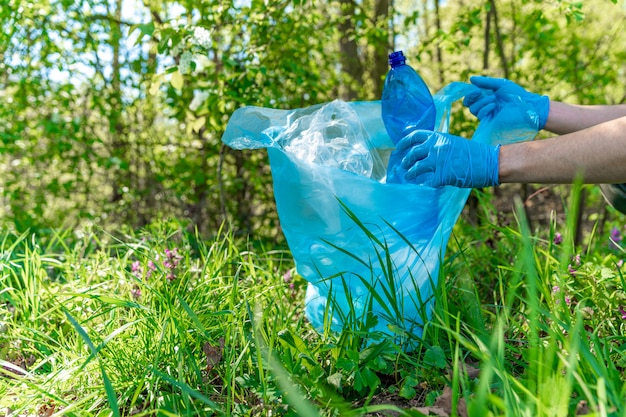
407	105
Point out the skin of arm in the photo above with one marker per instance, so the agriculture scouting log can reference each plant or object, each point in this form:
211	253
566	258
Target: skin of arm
591	146
567	118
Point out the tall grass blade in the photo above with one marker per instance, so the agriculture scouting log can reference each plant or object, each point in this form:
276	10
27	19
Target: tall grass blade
108	387
187	390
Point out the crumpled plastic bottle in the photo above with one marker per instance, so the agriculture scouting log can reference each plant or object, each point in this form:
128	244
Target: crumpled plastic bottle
332	135
407	105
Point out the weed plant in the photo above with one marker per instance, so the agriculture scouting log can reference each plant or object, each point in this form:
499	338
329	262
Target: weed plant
163	323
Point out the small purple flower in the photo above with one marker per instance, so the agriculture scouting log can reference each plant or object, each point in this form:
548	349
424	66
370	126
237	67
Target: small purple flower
571	270
173	257
616	235
136	269
558	238
287	277
171	261
615	238
620	263
556	290
576	259
622	313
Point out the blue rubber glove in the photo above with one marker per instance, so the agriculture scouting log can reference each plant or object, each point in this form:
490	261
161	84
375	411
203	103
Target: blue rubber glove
437	159
494	94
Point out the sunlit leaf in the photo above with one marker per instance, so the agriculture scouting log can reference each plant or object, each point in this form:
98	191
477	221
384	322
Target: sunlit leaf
177	80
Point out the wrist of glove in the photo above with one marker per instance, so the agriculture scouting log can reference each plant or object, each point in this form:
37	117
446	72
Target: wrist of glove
437	159
494	95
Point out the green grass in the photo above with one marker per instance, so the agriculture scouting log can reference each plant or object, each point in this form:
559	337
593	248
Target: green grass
96	325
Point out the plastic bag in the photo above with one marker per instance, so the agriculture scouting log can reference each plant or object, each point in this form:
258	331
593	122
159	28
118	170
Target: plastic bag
370	251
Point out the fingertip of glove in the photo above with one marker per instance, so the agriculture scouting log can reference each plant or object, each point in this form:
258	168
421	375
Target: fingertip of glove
482	81
471	98
411	139
476	78
485	111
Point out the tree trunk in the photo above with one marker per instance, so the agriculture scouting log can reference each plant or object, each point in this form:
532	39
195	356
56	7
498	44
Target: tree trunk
499	43
116	128
438	47
382	48
487	38
350	61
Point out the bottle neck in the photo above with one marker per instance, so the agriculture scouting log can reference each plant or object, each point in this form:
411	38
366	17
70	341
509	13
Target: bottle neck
397	59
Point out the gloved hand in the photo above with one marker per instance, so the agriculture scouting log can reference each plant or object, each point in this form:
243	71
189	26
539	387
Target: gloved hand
436	159
493	95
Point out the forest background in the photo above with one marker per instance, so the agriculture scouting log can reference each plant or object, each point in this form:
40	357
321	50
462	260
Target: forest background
111	118
112	110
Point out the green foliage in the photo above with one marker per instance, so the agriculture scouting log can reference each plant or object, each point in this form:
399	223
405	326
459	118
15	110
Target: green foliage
109	129
116	119
546	307
104	122
163	322
153	312
151	323
112	113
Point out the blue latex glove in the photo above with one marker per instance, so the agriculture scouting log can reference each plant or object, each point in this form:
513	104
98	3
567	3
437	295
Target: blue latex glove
436	159
493	95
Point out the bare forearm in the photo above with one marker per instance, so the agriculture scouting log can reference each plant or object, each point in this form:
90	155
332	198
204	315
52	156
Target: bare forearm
566	118
597	154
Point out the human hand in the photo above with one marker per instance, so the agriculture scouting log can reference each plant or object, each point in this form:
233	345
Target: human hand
495	94
437	159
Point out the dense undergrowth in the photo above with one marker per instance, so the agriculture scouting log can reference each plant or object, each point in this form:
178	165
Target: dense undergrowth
162	322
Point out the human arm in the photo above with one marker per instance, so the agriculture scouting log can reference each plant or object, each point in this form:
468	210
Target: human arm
493	95
591	146
594	155
592	142
597	154
566	118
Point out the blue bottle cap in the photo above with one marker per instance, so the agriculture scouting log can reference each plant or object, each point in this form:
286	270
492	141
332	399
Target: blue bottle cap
396	59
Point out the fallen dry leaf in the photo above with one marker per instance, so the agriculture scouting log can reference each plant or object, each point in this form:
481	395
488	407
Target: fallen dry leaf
433	411
582	408
444	401
17	367
213	354
46	410
472	372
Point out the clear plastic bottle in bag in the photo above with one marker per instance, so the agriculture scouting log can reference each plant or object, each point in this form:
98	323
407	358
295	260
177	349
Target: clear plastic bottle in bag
407	105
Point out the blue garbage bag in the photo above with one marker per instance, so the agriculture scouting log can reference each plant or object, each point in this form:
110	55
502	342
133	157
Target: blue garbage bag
370	251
